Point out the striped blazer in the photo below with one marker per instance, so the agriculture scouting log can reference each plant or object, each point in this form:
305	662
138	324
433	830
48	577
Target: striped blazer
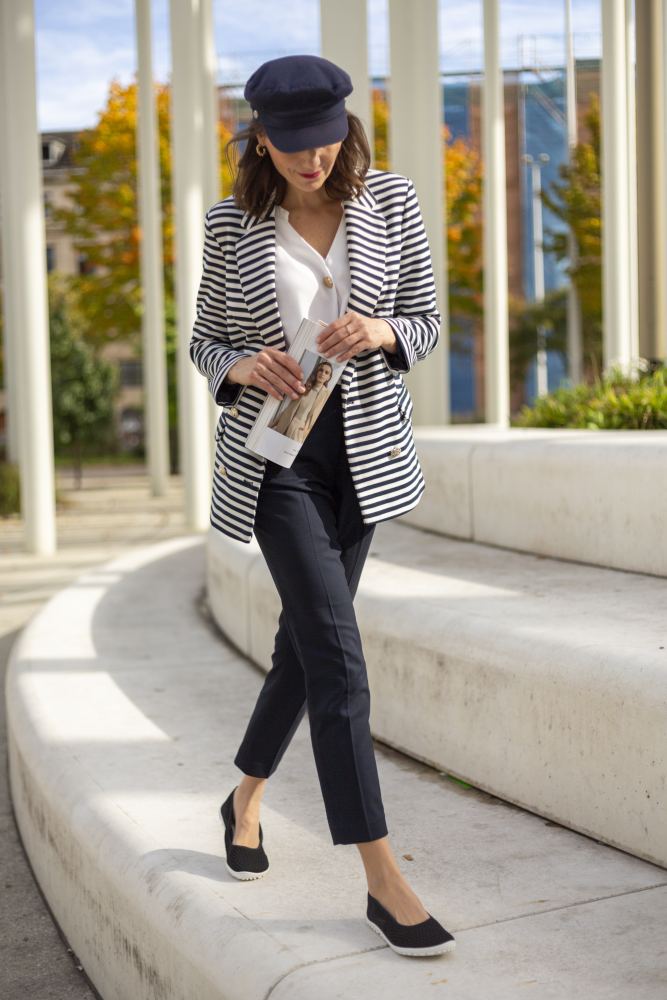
391	276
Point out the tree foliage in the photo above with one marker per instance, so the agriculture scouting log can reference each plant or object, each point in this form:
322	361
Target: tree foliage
83	384
463	180
462	187
614	401
576	200
103	217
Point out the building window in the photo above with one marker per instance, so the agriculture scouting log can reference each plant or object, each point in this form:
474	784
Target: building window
130	429
85	266
130	373
52	151
50	257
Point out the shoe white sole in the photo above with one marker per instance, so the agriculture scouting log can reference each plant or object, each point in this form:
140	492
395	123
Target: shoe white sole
243	876
246	876
436	949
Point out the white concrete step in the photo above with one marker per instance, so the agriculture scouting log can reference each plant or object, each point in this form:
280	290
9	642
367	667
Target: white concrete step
540	680
592	496
125	709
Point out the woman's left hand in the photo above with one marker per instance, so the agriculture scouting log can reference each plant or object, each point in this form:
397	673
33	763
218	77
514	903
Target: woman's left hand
352	333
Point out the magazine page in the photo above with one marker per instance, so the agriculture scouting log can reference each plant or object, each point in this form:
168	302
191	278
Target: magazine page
282	425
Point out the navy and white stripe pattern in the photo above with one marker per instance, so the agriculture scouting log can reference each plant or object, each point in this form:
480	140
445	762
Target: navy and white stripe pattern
391	276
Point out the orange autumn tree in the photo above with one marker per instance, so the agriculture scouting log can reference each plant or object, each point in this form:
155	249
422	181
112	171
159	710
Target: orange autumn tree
462	186
380	129
102	216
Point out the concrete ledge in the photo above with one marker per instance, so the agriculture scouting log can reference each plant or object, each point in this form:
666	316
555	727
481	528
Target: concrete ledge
591	496
125	710
543	682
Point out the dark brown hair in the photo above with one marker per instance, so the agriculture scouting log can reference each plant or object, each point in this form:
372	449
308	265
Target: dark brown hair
312	378
258	186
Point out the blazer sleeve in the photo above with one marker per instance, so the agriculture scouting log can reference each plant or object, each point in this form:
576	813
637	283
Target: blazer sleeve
210	347
416	320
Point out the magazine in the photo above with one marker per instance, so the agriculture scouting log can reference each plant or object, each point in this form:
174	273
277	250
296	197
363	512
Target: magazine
282	425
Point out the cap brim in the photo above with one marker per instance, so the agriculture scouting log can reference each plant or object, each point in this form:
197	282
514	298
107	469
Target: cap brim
291	140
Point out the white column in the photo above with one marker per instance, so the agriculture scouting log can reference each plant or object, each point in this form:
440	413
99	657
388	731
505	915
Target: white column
574	335
496	322
417	151
541	359
617	240
631	157
211	143
187	158
9	326
210	112
154	366
662	334
344	40
28	292
650	168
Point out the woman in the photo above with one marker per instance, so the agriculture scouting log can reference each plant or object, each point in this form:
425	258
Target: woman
311	230
298	417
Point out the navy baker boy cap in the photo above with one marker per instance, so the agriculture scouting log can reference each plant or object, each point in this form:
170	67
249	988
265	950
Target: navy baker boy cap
300	101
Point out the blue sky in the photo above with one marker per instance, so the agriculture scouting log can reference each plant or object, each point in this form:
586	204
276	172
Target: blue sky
82	44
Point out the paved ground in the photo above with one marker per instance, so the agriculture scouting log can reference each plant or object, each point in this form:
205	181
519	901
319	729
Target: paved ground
536	908
111	513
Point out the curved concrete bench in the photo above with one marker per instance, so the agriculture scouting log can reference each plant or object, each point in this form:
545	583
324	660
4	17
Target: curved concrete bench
124	712
592	496
541	681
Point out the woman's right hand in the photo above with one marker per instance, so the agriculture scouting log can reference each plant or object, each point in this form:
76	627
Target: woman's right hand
271	369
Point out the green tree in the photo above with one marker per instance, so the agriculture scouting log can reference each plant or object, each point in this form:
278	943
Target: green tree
83	384
463	185
102	218
576	200
102	214
380	129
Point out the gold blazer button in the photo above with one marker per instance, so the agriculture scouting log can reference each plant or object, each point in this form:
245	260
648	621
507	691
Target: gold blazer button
232	411
328	280
396	450
222	470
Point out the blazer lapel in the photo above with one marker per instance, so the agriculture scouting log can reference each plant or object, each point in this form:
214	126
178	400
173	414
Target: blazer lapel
256	260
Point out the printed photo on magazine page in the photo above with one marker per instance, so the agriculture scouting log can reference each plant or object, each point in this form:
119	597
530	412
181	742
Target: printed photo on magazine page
283	425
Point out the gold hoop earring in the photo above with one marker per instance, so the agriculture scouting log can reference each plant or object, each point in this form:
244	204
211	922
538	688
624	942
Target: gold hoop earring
261	150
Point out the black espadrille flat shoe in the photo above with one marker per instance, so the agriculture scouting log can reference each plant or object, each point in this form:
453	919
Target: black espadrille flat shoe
242	862
425	938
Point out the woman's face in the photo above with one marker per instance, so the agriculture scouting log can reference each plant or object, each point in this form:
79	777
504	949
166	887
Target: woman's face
295	166
324	373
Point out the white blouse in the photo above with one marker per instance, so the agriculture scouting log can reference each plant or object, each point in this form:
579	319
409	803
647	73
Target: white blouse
308	284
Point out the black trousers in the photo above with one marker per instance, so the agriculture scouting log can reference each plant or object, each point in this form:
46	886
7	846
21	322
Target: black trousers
309	528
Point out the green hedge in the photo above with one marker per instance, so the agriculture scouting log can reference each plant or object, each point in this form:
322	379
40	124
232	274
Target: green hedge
613	402
9	489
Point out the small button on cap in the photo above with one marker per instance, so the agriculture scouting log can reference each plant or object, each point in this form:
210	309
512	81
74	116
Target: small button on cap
328	281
